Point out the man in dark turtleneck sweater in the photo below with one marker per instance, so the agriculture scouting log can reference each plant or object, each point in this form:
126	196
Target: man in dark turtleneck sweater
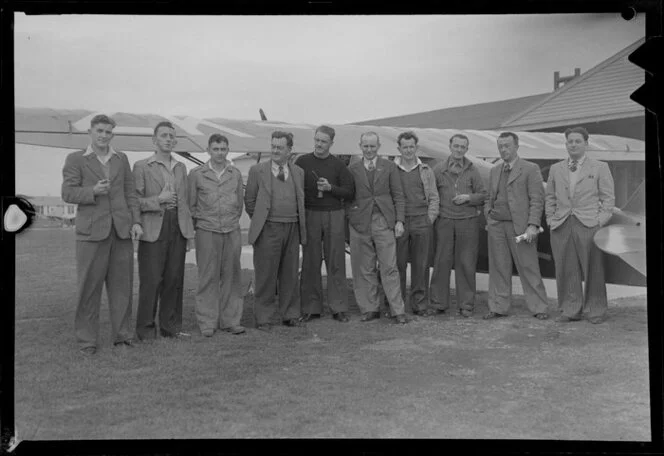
327	184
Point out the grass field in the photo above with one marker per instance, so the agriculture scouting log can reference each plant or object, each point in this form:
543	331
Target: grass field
443	377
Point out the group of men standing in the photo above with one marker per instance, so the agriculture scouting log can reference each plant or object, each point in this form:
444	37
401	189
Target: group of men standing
396	212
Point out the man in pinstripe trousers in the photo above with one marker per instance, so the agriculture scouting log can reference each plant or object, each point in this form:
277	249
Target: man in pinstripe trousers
579	201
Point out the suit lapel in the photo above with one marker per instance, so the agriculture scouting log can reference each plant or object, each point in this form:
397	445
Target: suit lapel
92	162
361	174
156	174
380	168
585	171
495	177
266	175
564	175
115	163
516	172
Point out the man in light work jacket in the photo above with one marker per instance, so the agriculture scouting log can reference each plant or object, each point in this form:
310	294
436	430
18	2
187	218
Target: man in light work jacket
421	210
579	201
462	196
161	185
376	217
99	181
216	199
514	208
274	200
327	184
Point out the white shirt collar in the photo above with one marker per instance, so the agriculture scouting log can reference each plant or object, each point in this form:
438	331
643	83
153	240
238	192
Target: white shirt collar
153	158
90	150
397	161
366	162
229	163
579	162
275	169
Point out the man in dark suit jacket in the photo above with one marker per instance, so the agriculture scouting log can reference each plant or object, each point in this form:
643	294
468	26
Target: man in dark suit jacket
274	199
376	217
579	201
99	180
161	185
514	208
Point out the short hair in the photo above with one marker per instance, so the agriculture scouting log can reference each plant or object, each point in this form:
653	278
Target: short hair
103	119
369	133
461	136
329	131
283	134
217	138
407	135
509	134
164	123
582	131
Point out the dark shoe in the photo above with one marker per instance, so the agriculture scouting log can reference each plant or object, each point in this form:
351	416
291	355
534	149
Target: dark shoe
566	319
541	316
492	315
433	312
125	343
368	316
401	319
420	313
208	332
341	316
292	322
89	351
308	317
264	327
465	313
235	330
596	320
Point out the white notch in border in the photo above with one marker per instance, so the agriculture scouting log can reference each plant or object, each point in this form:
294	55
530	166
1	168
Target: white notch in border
190	124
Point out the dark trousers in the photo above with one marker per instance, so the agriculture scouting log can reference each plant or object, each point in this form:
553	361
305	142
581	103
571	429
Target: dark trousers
325	239
110	261
457	245
276	264
577	258
413	246
161	274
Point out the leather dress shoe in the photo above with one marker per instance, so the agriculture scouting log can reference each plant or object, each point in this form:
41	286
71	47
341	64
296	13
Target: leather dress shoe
368	316
400	319
596	320
341	316
566	319
308	317
465	313
541	316
264	327
235	330
125	343
292	322
492	315
89	351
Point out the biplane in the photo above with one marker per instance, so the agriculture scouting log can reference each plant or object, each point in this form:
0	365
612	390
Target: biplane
622	240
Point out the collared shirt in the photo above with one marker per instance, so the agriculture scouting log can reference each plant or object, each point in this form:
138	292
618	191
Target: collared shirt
168	173
399	162
455	166
574	175
103	159
218	174
509	166
366	162
275	170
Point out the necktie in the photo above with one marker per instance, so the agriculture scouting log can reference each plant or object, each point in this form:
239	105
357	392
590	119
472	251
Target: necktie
572	166
281	176
371	166
507	168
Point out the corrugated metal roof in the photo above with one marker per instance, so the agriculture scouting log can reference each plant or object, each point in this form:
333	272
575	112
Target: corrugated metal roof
482	116
602	93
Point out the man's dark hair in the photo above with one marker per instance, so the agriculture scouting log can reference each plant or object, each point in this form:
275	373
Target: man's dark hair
580	130
459	135
103	119
283	134
407	135
164	123
217	138
509	134
329	131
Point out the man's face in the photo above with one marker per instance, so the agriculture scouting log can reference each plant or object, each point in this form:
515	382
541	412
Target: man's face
408	149
576	145
322	144
164	139
218	152
507	149
458	148
101	135
280	150
369	145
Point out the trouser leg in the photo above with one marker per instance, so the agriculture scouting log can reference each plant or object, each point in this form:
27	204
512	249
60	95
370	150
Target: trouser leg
91	265
500	269
465	254
289	285
595	301
386	251
312	257
267	256
568	270
334	248
527	265
119	285
439	289
419	255
403	251
231	302
170	298
365	275
208	296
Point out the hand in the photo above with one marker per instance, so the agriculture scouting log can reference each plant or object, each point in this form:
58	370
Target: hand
323	185
101	187
398	229
191	244
531	233
136	232
167	196
432	220
461	199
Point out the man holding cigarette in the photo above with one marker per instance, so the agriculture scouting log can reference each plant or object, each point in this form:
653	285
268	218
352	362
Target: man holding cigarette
327	184
514	209
100	182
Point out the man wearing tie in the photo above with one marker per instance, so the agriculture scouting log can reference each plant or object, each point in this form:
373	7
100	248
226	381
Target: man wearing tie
274	199
99	181
579	201
376	217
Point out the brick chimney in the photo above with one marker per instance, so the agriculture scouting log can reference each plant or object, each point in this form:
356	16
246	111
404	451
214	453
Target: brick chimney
559	81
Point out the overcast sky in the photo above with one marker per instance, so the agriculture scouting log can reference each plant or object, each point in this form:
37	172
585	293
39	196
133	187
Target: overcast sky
312	69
